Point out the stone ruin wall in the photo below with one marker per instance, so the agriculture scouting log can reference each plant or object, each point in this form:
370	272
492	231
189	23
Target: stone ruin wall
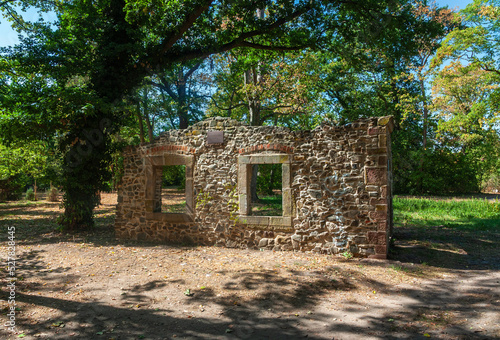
336	187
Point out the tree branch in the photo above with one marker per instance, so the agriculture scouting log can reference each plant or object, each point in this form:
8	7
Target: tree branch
276	107
276	24
188	22
225	109
274	113
227	47
168	112
164	86
14	16
241	41
272	48
6	2
191	71
487	69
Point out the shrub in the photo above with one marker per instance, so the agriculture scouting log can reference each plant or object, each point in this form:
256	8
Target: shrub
30	195
492	183
442	172
12	188
53	195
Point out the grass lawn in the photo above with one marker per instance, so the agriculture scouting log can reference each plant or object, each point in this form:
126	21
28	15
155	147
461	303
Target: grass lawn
268	206
470	214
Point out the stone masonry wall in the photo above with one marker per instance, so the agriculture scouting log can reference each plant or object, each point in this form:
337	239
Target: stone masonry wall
336	187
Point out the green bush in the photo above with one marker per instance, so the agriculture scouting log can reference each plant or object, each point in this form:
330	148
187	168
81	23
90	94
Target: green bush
441	172
30	195
12	188
52	195
492	183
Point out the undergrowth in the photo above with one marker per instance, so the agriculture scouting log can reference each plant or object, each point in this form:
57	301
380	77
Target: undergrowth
476	214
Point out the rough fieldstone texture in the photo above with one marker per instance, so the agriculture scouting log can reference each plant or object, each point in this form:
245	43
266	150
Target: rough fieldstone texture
336	187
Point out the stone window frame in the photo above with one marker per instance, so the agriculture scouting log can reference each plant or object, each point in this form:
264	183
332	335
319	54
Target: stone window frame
245	163
152	164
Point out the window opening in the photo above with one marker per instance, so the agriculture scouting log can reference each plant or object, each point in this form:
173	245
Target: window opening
267	195
173	189
266	176
169	188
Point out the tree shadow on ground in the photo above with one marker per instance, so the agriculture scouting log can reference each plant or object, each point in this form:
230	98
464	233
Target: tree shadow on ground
444	246
258	304
34	226
447	247
26	211
280	308
11	215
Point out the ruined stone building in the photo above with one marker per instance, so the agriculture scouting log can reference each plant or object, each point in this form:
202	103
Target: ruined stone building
336	187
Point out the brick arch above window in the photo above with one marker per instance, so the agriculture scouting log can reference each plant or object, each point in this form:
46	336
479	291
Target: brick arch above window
265	147
161	149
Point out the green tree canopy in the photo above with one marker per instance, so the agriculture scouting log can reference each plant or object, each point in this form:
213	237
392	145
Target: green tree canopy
467	88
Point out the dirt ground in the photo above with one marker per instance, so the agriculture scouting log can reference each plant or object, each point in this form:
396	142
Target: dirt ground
92	286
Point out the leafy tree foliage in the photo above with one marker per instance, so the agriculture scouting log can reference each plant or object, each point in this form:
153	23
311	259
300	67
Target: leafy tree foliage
392	81
479	42
269	179
174	175
28	163
467	90
265	87
184	90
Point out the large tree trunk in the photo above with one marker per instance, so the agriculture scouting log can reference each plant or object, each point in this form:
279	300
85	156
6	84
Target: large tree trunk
253	77
425	112
271	181
85	170
254	111
35	187
150	127
86	142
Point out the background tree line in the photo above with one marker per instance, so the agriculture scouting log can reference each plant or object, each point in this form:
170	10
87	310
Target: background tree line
113	72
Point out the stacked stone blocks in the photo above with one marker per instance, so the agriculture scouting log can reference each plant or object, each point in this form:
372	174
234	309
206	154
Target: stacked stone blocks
336	187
